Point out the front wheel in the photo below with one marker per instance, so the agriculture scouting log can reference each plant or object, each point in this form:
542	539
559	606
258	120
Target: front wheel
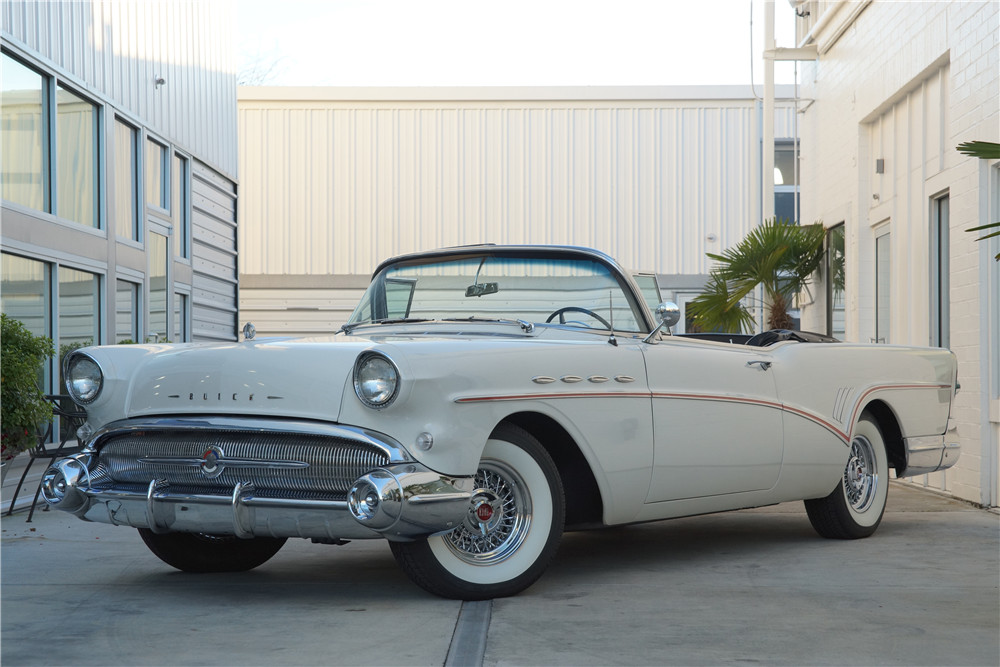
510	534
194	552
854	509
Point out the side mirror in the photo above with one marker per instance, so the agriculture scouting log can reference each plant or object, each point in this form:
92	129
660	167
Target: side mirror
668	313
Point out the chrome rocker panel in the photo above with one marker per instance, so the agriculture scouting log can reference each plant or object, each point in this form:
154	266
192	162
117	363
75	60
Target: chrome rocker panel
928	454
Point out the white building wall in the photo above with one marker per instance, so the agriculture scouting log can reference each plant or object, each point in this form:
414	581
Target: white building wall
118	49
336	180
907	82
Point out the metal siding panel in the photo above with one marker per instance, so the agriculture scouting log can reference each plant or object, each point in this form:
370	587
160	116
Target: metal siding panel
116	49
334	187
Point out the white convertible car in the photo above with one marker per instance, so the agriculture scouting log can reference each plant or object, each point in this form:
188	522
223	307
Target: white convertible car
481	401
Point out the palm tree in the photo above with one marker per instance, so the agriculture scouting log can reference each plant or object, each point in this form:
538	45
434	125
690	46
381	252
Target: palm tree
984	150
779	256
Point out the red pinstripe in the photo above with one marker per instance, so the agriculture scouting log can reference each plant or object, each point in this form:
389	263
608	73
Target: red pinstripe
811	416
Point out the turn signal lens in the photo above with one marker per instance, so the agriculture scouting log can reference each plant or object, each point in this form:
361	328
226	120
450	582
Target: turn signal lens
84	379
376	380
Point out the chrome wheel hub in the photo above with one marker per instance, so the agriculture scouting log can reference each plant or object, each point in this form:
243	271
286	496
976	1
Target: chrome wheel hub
861	475
498	518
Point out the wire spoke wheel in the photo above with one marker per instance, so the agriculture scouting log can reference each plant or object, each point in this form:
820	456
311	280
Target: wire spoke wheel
854	509
861	475
499	516
510	532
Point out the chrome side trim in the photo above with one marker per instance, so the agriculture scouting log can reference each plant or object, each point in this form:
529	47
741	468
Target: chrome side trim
392	449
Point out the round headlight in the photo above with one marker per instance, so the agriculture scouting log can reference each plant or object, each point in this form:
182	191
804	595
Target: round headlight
376	380
84	379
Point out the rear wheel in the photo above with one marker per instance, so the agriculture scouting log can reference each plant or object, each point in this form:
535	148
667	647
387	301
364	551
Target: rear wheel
854	509
195	552
512	530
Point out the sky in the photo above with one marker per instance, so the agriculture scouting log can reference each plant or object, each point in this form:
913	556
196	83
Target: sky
510	43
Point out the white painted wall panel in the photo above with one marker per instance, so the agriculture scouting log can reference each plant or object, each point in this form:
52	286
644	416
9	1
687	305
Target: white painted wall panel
332	185
118	49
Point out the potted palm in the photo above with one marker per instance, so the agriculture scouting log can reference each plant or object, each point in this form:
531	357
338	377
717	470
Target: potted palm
23	408
778	256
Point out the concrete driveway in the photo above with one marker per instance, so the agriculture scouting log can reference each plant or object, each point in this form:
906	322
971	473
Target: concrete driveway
751	587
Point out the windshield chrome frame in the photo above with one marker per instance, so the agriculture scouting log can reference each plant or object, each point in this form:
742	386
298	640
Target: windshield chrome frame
621	276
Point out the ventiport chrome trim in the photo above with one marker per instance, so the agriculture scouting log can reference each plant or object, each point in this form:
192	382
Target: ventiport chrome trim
624	378
597	379
543	379
571	379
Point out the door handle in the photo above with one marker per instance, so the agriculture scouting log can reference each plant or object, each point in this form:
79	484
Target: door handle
764	365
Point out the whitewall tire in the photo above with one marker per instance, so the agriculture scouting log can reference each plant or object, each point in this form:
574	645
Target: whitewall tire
855	508
511	532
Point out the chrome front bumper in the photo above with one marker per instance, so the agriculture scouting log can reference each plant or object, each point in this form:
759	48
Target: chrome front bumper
405	501
928	454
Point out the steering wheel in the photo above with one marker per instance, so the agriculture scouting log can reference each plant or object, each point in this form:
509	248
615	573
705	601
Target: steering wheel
574	309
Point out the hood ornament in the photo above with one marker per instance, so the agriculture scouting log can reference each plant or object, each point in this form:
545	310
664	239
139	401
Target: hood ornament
249	331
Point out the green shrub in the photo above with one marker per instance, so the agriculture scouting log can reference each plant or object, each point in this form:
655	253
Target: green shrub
23	409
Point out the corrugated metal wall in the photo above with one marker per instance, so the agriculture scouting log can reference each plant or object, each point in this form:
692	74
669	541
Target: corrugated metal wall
214	283
119	48
333	186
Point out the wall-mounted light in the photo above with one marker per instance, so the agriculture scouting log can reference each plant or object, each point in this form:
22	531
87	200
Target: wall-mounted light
875	196
711	238
160	81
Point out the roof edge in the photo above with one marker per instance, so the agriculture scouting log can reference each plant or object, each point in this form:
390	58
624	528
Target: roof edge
502	93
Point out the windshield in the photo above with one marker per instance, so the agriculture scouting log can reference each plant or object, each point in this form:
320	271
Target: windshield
574	292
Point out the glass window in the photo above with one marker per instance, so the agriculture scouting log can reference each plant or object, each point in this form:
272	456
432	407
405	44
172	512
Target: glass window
76	157
126	188
786	205
883	273
650	290
23	135
126	312
180	317
24	295
940	303
78	310
784	167
570	292
178	206
158	257
836	324
155	174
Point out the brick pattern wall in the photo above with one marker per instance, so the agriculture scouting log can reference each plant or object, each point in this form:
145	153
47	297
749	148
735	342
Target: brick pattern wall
907	82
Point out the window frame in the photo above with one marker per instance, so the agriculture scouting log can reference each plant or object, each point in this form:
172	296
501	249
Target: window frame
166	151
181	219
882	231
48	175
137	173
939	272
842	226
100	144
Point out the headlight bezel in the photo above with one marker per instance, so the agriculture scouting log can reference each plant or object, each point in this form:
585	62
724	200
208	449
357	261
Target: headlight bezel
359	362
72	359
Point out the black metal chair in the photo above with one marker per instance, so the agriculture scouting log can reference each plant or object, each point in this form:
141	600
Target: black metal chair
69	421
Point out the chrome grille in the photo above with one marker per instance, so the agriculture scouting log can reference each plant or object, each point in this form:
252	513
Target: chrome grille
334	463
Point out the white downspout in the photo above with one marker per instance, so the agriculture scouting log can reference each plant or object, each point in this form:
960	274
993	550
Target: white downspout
768	148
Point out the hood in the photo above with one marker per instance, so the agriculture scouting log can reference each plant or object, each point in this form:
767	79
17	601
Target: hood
288	377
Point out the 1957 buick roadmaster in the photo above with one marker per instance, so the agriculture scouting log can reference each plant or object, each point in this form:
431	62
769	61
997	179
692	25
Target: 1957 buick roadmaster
480	401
